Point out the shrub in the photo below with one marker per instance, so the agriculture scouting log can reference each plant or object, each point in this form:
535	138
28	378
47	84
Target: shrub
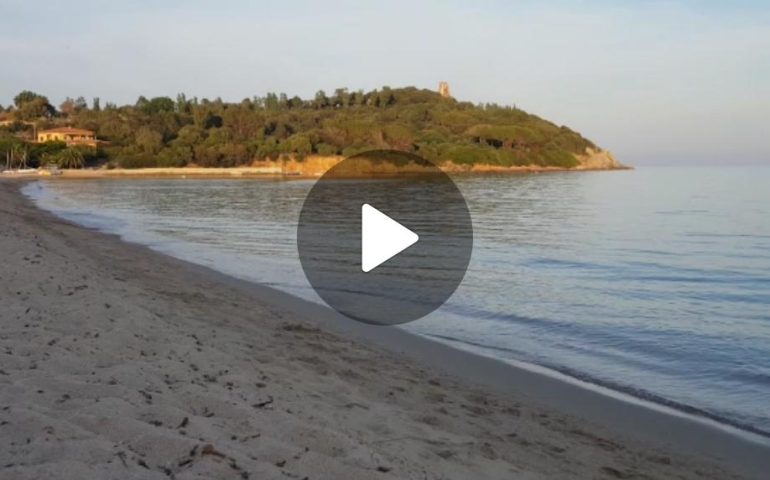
138	160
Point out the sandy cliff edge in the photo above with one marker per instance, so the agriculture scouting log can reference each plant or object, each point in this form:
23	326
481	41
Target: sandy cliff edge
317	165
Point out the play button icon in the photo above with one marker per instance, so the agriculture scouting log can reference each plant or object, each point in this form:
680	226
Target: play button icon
384	237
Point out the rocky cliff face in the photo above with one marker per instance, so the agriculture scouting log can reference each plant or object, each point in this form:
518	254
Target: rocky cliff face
316	165
598	159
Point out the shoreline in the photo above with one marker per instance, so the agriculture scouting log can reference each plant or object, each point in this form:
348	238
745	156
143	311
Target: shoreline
314	166
636	397
622	392
636	428
596	403
258	173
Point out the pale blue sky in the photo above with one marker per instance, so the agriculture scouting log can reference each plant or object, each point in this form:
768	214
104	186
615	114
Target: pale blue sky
655	82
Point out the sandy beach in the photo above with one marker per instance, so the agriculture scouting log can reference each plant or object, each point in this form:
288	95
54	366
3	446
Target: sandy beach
117	362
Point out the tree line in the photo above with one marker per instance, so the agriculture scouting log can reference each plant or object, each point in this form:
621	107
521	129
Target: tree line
167	132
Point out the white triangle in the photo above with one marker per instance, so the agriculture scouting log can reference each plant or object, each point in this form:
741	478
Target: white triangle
382	238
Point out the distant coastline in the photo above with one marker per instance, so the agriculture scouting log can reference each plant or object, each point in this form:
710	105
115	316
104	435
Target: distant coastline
314	166
302	136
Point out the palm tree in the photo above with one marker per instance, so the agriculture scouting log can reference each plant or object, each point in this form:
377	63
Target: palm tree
70	158
17	153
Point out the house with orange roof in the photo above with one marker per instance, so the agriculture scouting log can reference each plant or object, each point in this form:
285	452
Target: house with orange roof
69	135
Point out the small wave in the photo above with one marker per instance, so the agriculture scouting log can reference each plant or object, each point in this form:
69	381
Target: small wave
635	392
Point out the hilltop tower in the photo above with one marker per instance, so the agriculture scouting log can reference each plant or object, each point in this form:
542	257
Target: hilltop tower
443	89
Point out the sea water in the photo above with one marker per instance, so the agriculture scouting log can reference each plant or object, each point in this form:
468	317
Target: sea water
653	282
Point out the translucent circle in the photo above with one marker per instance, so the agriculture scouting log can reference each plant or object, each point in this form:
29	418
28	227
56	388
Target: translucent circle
413	192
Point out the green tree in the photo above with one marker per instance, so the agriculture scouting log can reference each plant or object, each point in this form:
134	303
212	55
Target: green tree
162	131
8	142
157	105
148	141
182	104
321	100
115	129
80	104
271	102
67	107
175	156
17	155
31	106
299	144
141	102
41	152
27	96
189	136
70	158
341	97
283	101
36	109
296	102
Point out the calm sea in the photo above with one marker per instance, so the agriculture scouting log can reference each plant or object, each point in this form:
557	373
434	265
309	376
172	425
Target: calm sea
653	282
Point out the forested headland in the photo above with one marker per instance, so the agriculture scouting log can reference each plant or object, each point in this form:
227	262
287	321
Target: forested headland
167	132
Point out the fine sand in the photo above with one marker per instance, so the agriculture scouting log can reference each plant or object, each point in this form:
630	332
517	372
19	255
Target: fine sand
117	362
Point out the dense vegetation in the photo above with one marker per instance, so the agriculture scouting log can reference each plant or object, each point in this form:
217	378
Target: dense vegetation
165	132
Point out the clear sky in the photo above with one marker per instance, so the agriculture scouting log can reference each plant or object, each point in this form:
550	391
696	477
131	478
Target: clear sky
654	82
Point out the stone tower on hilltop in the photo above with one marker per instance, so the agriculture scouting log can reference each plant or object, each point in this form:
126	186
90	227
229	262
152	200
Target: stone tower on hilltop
443	89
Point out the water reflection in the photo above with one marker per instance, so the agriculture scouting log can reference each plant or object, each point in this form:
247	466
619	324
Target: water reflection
653	281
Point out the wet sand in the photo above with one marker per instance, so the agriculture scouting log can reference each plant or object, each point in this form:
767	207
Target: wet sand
119	362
